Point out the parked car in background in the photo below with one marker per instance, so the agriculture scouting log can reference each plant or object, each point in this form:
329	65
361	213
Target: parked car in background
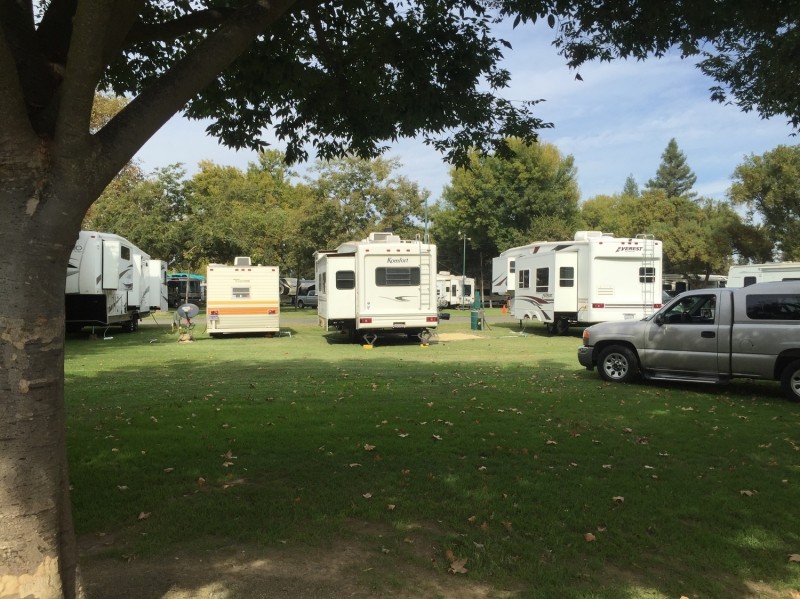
310	299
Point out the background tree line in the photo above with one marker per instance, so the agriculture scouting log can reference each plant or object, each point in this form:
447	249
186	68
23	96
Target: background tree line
269	213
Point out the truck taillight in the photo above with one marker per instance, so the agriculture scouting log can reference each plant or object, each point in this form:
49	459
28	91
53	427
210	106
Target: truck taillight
598	305
365	320
432	319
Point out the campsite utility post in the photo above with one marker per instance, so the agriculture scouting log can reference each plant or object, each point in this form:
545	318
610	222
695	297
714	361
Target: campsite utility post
463	265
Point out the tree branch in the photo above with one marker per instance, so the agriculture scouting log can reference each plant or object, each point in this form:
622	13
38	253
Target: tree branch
16	125
204	19
122	137
35	76
83	70
55	30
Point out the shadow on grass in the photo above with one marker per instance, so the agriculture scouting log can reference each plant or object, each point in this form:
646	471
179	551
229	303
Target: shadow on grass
509	461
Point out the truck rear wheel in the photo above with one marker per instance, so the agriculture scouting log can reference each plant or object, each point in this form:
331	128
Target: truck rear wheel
790	381
618	364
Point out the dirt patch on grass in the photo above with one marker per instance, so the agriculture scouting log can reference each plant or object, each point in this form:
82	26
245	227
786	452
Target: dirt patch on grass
457	337
370	564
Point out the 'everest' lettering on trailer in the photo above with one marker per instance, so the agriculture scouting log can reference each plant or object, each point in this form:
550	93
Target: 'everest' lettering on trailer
391	260
629	248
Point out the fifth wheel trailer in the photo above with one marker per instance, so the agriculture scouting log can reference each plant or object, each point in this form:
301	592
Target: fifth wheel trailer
593	278
382	284
111	282
744	275
454	291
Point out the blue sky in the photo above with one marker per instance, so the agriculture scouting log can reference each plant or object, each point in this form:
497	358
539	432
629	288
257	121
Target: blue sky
615	123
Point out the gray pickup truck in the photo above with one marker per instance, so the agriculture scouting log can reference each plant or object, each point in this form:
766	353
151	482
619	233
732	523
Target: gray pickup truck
706	335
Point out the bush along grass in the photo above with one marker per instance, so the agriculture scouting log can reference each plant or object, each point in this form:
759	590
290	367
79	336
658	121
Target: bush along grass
514	464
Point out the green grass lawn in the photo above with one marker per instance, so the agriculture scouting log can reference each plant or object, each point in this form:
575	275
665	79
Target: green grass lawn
501	449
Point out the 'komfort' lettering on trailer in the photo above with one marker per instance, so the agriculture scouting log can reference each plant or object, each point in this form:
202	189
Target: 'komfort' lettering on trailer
391	260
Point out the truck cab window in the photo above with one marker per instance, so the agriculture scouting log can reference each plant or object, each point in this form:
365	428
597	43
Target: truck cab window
695	309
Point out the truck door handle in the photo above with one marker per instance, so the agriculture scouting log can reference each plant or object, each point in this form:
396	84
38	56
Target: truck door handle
708	334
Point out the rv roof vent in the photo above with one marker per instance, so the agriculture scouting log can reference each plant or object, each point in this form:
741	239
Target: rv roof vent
241	261
383	237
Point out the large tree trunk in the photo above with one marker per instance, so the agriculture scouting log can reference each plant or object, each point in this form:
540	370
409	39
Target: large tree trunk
38	557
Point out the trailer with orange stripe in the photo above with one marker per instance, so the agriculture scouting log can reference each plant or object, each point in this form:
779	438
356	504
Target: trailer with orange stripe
242	298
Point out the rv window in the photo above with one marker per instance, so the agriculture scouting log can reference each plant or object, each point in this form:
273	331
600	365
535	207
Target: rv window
346	279
453	291
511	266
241	292
397	276
542	279
524	279
467	290
749	281
647	274
773	307
125	253
566	276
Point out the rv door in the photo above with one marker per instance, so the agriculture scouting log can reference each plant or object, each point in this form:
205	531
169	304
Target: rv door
112	251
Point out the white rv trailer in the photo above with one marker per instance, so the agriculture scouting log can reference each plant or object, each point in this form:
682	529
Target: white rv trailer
675	284
111	282
743	275
594	278
378	285
454	291
242	298
503	268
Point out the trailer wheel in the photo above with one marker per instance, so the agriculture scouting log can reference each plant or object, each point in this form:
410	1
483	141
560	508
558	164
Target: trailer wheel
132	325
790	381
618	364
561	326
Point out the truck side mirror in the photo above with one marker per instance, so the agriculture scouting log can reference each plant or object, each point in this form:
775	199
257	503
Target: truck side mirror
659	320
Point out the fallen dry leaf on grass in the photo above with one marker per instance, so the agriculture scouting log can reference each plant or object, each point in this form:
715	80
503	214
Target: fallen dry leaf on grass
747	492
457	567
589	537
794	557
368	447
143	516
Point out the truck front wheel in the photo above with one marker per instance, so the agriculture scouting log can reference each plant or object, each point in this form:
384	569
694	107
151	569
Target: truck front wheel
618	364
790	381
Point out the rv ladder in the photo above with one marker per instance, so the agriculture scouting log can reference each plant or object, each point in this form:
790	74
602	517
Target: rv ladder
425	281
648	277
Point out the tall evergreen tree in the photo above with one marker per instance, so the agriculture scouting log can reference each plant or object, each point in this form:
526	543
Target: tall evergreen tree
631	187
674	175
